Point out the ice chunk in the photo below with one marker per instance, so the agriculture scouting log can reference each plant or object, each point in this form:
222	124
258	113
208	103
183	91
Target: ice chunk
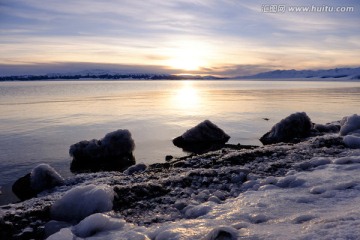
352	141
97	223
83	201
349	124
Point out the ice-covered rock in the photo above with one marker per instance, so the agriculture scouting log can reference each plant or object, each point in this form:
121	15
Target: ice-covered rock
350	124
203	137
83	201
296	126
44	177
350	129
113	152
40	178
141	167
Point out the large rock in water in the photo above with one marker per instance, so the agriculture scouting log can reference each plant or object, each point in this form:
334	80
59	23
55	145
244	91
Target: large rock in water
41	177
112	153
292	128
203	137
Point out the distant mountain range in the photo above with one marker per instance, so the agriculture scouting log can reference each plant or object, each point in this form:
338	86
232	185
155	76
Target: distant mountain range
348	73
337	73
105	75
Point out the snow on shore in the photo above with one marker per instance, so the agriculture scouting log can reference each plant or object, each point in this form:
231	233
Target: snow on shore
319	204
308	190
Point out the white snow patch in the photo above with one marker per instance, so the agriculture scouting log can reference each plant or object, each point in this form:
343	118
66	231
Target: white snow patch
83	201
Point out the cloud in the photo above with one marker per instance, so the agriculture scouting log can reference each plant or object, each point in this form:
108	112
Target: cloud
126	32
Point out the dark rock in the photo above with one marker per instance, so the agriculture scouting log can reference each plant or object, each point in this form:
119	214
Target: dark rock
204	137
113	152
328	128
291	129
168	158
22	189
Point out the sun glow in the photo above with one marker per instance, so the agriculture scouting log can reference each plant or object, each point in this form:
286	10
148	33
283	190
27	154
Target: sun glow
189	55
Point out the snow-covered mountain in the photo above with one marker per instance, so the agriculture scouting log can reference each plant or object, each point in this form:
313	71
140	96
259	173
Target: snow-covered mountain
346	73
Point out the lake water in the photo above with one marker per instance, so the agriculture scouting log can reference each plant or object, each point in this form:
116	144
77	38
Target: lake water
40	120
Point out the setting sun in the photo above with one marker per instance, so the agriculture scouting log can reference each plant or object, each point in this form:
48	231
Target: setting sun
189	55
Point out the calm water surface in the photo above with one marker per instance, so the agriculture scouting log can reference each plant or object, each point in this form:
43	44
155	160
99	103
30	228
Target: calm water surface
40	120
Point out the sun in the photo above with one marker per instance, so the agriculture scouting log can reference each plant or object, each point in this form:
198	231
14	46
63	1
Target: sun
188	55
185	63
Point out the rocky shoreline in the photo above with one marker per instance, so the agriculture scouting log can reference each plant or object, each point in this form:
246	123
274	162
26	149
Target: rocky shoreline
163	190
179	189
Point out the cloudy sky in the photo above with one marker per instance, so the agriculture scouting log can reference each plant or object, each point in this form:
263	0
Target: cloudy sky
223	37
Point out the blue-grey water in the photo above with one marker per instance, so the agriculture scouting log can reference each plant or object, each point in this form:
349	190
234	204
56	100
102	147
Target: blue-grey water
40	119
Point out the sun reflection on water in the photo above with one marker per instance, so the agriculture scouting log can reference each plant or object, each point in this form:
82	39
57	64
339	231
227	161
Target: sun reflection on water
187	97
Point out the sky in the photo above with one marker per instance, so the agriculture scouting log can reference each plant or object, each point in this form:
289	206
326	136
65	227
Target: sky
223	37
